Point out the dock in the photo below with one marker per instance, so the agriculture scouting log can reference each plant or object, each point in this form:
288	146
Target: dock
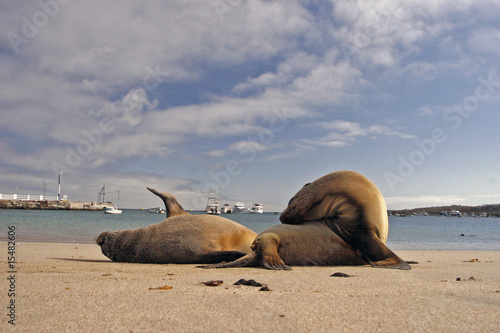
53	205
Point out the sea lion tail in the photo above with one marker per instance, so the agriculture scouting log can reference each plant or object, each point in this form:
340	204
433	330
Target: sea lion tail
246	261
172	206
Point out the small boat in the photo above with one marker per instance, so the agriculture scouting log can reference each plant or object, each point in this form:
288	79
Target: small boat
156	210
213	203
226	209
239	207
112	210
256	209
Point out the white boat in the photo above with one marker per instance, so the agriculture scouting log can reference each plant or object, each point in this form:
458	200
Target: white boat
239	207
452	212
226	209
156	210
112	210
256	209
213	203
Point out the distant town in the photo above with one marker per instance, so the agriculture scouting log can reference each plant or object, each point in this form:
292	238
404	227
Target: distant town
492	210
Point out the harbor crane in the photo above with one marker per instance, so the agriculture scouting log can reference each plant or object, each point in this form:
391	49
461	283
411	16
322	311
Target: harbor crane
102	193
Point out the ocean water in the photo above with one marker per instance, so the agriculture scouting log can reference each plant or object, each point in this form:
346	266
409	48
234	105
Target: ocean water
405	233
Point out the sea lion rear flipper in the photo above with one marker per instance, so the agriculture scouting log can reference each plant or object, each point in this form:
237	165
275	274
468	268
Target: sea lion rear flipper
222	256
245	261
172	206
367	245
379	255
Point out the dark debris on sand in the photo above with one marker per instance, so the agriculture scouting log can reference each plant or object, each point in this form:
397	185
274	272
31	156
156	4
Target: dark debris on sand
252	283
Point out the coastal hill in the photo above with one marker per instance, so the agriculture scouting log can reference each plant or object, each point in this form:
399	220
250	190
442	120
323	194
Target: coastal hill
490	210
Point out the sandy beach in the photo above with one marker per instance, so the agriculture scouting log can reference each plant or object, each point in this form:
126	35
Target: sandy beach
74	288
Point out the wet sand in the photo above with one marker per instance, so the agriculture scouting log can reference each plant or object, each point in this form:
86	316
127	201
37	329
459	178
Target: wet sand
74	288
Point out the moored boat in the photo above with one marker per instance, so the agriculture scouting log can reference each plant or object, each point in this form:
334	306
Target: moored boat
213	203
256	209
156	210
112	210
239	207
226	209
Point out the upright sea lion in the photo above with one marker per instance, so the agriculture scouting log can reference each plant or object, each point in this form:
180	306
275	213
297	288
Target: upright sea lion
181	238
340	219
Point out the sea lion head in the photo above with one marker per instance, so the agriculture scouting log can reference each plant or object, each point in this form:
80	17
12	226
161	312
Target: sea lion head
300	205
106	241
337	194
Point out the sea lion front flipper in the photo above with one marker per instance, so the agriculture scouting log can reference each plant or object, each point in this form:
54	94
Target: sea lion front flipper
172	206
274	263
266	245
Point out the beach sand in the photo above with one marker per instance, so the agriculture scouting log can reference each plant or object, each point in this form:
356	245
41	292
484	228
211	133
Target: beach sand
74	288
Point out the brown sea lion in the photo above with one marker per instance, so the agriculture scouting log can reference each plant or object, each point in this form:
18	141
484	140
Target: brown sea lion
340	219
181	238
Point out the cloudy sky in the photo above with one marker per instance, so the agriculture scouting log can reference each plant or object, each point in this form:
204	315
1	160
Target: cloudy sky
253	98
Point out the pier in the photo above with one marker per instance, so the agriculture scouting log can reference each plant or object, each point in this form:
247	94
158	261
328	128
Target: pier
15	201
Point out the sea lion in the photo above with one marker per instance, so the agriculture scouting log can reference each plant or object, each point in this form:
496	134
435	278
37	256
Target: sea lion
339	219
181	238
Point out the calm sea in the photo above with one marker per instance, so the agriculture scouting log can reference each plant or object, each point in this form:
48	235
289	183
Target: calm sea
405	233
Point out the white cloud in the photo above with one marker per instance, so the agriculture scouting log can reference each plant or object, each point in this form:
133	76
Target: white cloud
116	42
386	131
87	54
217	153
330	141
485	41
309	81
387	32
425	111
327	84
343	133
246	146
131	108
347	127
283	156
298	64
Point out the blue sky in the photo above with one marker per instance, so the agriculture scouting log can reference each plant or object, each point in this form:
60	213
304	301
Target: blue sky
254	98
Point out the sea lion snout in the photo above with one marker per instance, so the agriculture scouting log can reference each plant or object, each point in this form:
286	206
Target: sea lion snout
299	206
291	215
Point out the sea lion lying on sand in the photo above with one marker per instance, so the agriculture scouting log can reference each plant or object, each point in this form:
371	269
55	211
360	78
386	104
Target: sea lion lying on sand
181	238
340	219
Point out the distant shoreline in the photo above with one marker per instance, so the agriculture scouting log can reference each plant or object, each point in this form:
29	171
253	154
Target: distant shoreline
491	210
53	205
